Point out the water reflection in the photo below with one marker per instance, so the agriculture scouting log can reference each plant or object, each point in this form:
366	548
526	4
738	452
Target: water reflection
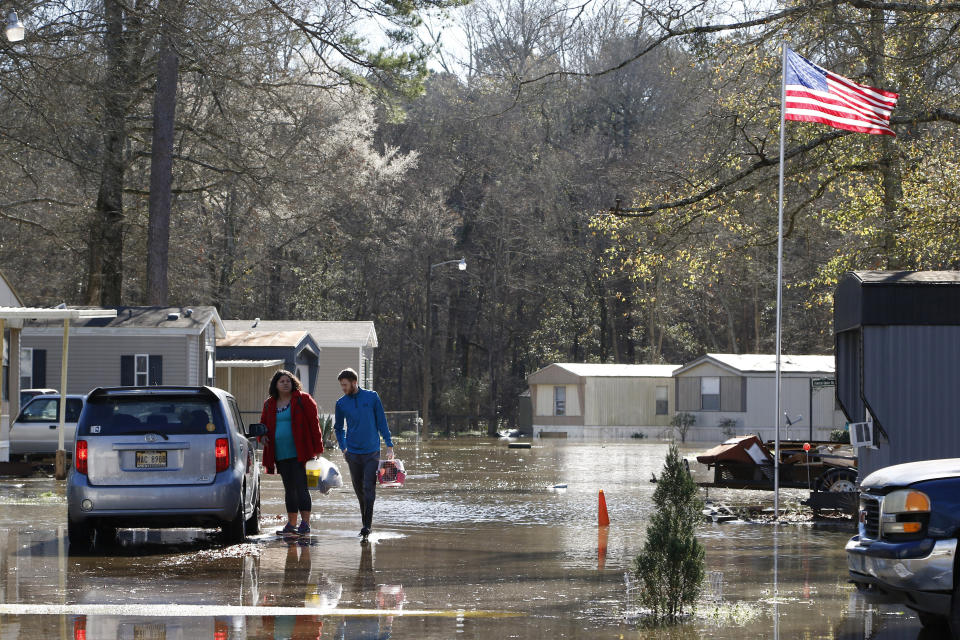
487	533
372	628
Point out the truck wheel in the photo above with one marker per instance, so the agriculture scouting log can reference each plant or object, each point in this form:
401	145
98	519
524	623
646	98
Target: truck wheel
235	531
932	620
953	620
839	480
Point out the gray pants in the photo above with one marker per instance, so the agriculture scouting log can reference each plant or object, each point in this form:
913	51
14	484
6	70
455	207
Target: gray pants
363	473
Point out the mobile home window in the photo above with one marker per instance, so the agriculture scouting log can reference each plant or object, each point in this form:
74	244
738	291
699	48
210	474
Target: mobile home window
710	393
210	367
26	368
663	401
559	401
142	372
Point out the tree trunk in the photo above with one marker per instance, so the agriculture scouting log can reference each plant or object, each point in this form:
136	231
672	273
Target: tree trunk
105	257
161	156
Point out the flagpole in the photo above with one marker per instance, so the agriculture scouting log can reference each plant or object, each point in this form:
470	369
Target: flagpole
776	450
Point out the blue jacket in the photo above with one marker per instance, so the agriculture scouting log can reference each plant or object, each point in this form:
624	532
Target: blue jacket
365	422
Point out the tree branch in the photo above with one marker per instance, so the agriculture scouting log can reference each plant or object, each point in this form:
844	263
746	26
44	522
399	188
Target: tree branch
617	210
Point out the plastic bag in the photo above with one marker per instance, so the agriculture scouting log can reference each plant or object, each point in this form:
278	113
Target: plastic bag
391	473
323	475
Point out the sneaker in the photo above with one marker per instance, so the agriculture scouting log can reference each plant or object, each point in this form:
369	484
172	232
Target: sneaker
364	534
303	530
288	531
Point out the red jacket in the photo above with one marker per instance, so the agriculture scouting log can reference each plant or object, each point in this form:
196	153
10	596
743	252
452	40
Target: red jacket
305	424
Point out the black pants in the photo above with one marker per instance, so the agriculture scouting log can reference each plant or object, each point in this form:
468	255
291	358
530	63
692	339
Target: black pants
295	492
363	472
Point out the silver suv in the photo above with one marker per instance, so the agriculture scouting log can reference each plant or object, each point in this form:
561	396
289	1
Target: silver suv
162	457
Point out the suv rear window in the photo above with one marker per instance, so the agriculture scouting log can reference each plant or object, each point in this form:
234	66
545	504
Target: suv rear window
133	416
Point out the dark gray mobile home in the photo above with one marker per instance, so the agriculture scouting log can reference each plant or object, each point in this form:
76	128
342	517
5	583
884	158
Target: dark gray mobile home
897	339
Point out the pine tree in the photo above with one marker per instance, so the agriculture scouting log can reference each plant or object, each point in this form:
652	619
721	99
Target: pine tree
670	569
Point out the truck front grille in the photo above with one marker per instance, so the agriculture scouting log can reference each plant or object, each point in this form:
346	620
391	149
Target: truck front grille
870	516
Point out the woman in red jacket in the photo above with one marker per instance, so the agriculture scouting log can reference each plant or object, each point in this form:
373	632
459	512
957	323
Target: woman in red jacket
293	437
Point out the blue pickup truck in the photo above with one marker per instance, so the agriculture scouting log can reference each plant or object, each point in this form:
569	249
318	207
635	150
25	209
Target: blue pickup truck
906	548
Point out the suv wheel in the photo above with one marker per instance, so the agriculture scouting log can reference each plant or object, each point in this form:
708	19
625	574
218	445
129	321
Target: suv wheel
106	534
80	536
253	524
235	531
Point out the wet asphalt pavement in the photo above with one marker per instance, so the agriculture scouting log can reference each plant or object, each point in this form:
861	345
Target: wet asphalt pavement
478	544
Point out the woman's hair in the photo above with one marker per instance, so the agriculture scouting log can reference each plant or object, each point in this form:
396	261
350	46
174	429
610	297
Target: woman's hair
279	374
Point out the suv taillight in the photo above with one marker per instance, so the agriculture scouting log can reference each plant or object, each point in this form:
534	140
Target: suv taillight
223	455
80	457
80	628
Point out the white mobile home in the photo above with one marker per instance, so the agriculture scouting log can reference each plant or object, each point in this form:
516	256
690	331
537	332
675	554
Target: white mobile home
578	400
733	394
141	346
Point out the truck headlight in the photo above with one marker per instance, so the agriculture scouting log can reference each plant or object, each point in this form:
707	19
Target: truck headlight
905	513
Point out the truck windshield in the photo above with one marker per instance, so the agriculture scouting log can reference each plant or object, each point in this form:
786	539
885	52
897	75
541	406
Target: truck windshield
160	415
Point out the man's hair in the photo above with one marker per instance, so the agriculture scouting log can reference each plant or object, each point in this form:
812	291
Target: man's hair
348	374
294	380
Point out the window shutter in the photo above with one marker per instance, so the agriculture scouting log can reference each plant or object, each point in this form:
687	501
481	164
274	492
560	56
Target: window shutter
126	371
688	393
731	394
155	371
39	368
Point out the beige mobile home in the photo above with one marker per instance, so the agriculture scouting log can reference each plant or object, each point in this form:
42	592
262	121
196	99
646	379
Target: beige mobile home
733	394
602	400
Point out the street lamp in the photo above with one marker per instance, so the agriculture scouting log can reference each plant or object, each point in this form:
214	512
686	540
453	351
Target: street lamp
15	29
428	343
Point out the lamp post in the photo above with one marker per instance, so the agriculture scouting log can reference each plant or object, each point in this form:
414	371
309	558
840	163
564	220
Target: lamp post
426	383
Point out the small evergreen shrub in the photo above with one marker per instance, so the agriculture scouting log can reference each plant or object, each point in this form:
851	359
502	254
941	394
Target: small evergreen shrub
670	569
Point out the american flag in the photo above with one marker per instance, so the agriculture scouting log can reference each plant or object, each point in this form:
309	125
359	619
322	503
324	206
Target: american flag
813	94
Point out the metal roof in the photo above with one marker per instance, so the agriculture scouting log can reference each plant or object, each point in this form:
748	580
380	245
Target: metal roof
596	370
192	319
249	364
54	313
254	338
906	277
325	333
883	298
766	363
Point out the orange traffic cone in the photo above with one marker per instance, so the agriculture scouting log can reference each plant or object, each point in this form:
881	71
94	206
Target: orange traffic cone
603	533
603	520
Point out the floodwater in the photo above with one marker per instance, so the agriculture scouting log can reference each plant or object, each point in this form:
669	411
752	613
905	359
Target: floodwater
479	544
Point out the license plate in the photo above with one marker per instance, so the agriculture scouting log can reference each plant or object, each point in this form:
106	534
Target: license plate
151	459
150	631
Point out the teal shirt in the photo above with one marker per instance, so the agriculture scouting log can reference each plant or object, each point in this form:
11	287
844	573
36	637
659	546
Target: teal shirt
283	436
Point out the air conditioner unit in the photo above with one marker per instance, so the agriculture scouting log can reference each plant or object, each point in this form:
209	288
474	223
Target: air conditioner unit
863	434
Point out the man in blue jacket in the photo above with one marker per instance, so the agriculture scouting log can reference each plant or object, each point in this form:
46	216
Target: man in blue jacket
362	411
